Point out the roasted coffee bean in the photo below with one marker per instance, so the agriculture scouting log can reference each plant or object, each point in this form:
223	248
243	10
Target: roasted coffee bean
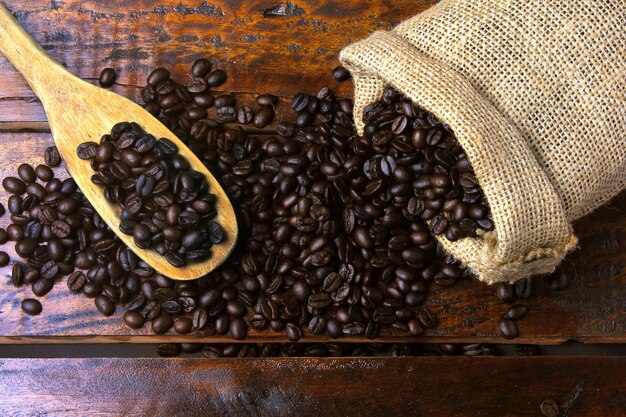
201	67
52	157
293	332
505	292
133	319
76	281
508	329
42	287
4	259
44	174
516	312
238	329
216	78
340	74
157	76
168	350
17	275
26	173
162	323
105	306
245	115
107	77
427	318
31	306
266	100
263	117
14	185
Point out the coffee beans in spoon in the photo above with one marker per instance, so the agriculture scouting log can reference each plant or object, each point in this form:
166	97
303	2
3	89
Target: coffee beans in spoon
166	205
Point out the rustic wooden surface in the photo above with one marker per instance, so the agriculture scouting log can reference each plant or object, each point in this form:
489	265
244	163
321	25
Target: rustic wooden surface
265	45
426	386
591	310
283	48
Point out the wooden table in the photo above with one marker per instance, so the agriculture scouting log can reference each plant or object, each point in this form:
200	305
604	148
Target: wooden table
284	48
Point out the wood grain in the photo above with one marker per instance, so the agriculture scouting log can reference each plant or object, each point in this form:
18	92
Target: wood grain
590	310
80	112
419	386
264	46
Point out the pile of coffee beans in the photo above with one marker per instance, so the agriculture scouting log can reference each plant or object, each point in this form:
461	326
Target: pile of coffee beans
336	230
166	205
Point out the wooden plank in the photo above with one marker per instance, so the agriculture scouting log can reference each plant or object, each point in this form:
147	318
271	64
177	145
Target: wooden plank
591	310
420	386
265	46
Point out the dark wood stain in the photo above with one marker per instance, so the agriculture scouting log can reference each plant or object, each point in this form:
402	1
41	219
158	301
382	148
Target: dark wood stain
417	386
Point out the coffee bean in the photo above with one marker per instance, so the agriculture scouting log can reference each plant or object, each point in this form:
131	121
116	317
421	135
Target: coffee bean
238	329
201	67
42	287
31	307
508	329
26	173
76	281
105	306
293	332
157	76
505	292
4	259
133	319
52	157
216	78
44	174
168	350
14	185
107	77
61	229
162	323
17	275
340	74
516	312
49	270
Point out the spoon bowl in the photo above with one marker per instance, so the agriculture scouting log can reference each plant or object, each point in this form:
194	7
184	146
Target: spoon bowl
80	112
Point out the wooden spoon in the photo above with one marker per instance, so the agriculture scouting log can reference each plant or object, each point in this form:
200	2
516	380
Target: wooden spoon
79	112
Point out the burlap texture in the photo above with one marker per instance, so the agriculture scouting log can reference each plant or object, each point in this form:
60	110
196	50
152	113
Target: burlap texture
535	92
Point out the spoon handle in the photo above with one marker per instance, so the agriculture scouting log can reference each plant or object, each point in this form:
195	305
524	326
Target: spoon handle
27	55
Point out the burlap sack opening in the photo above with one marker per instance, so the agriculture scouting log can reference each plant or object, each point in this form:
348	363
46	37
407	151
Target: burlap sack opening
516	81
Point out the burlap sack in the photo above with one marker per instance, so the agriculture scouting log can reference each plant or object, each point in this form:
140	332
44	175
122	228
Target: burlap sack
535	92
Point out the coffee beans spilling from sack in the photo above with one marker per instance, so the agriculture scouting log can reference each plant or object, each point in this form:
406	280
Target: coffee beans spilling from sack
336	229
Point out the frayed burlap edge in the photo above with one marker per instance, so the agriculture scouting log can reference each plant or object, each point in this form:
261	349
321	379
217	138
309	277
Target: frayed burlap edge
532	234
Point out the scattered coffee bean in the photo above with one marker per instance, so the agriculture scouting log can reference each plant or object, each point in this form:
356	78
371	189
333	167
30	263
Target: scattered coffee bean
31	306
508	329
133	319
340	74
516	312
168	350
52	157
4	259
107	77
